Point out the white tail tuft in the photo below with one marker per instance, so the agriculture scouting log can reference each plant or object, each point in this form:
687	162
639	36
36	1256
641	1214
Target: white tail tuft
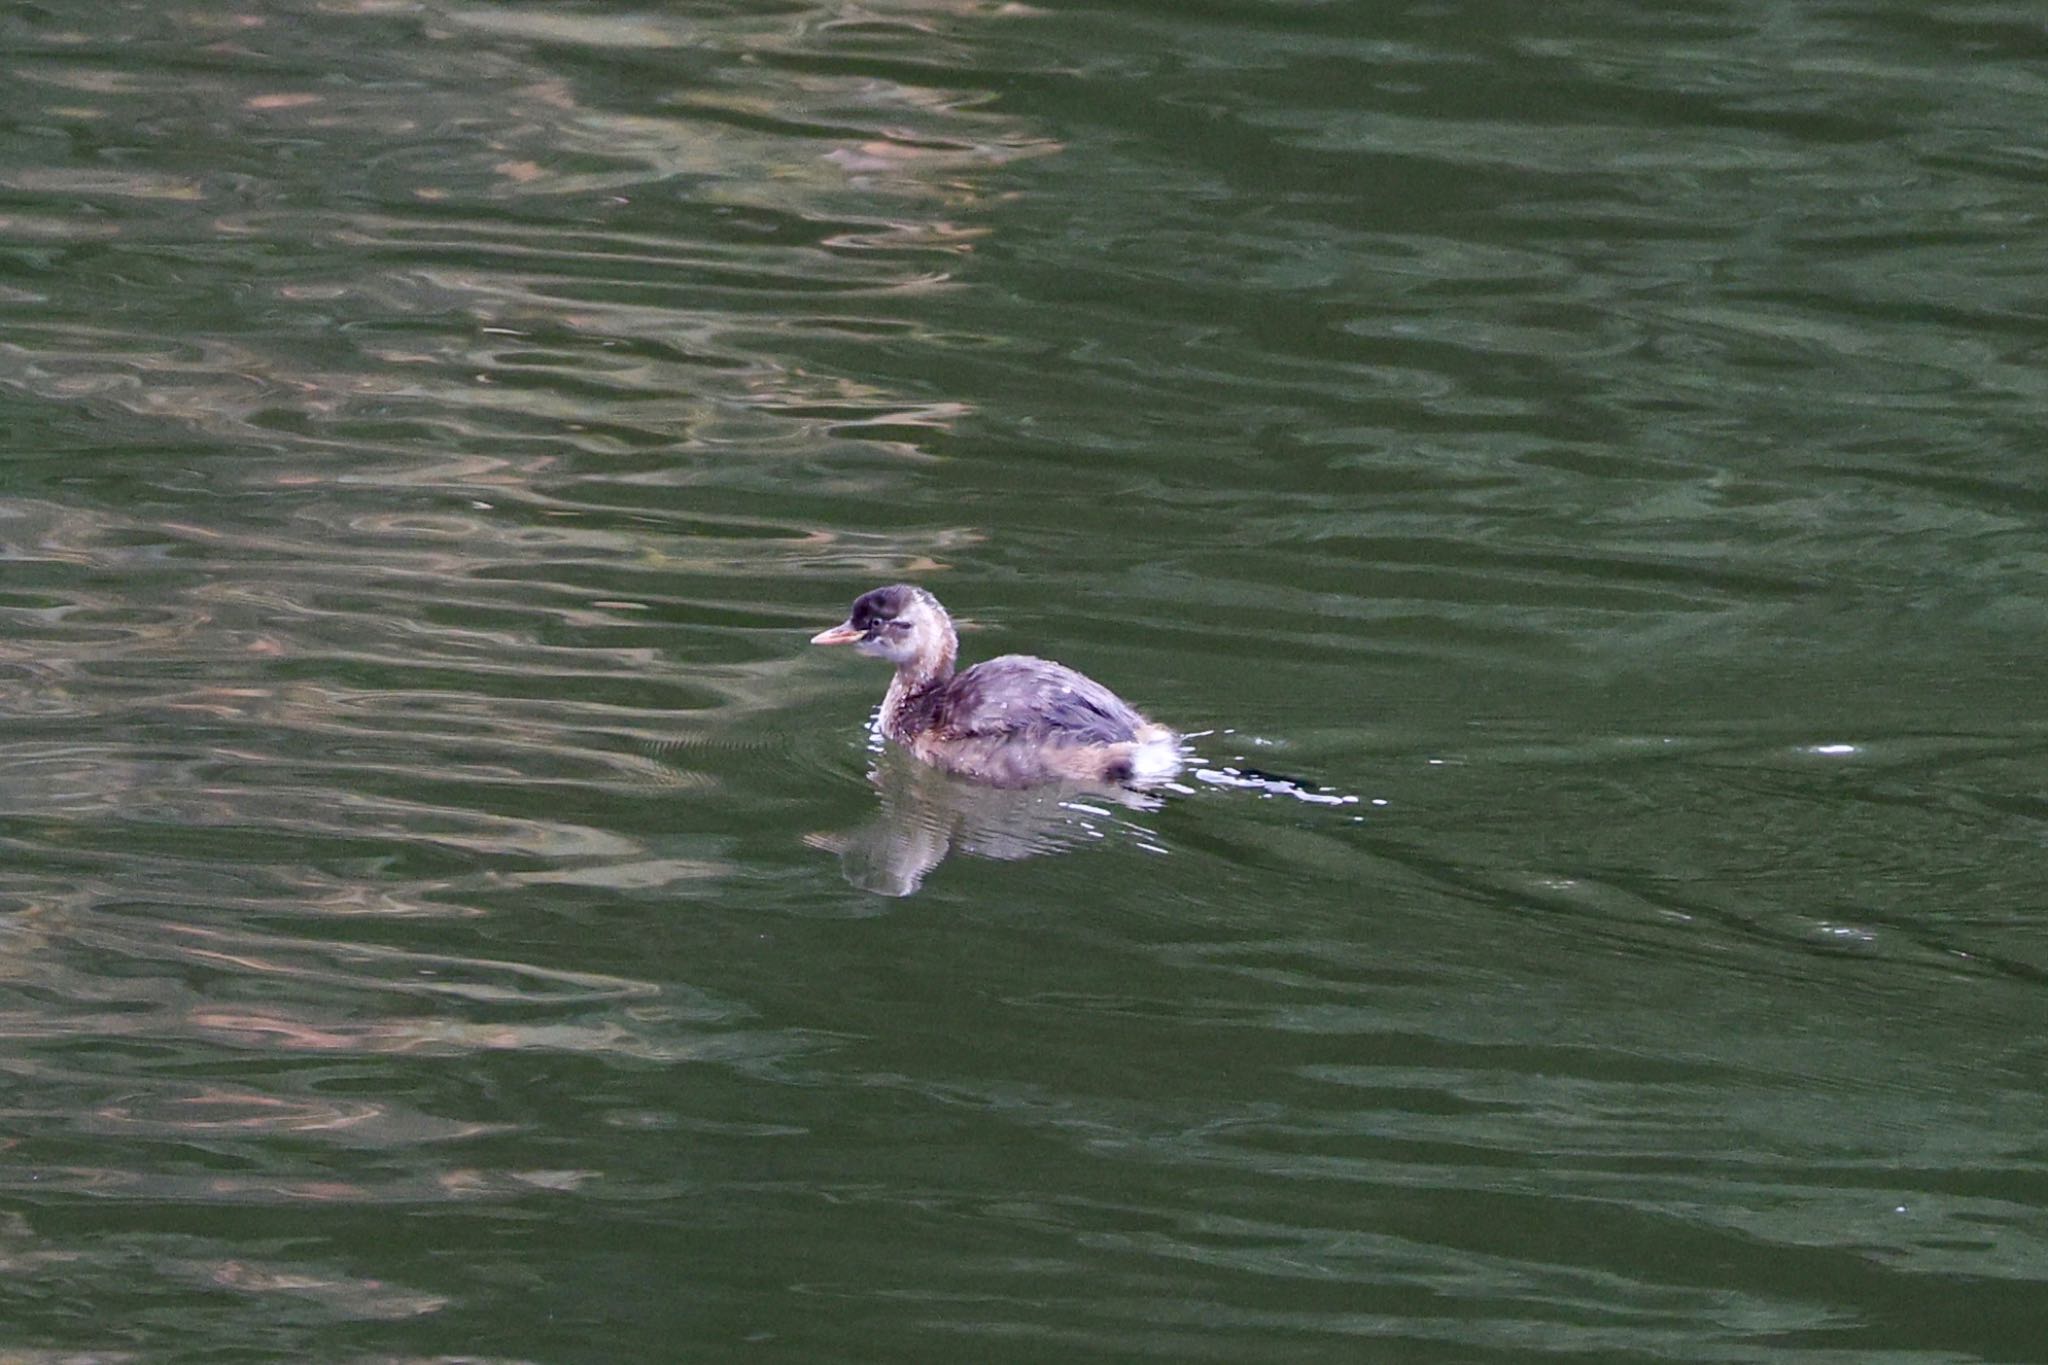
1156	757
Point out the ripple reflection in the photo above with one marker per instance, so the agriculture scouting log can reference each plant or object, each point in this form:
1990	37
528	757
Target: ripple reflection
927	816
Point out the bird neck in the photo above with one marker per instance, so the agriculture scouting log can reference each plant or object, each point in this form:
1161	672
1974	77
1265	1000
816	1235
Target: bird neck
915	679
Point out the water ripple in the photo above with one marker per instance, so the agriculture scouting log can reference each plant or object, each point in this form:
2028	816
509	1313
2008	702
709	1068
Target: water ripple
1601	440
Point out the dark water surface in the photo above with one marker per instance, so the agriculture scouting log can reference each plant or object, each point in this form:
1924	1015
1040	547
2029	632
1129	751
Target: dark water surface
447	910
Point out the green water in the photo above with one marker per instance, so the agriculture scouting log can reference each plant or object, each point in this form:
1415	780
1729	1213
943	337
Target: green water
447	911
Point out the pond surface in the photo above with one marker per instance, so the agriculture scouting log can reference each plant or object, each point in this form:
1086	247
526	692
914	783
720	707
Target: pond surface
449	911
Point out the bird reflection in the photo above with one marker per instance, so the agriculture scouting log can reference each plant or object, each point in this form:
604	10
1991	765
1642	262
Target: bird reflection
927	816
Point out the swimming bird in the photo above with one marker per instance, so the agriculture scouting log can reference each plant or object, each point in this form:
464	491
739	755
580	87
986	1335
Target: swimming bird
1015	721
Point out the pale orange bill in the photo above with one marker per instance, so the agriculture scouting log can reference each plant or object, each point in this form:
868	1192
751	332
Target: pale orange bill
841	634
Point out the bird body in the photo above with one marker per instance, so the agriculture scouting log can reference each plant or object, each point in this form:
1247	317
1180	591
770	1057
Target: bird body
1013	721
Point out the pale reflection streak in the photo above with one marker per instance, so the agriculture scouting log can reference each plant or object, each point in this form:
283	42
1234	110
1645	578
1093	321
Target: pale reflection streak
329	982
89	781
327	1293
303	1290
234	1111
422	1185
368	966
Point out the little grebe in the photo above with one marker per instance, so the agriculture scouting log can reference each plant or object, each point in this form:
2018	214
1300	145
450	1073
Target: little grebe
1012	722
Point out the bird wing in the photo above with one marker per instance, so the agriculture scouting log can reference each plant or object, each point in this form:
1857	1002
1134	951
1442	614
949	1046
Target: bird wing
1019	697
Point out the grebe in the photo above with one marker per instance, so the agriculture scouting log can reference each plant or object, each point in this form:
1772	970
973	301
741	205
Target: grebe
1010	722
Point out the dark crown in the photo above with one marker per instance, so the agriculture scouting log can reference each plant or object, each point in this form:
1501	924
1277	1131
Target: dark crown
883	604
